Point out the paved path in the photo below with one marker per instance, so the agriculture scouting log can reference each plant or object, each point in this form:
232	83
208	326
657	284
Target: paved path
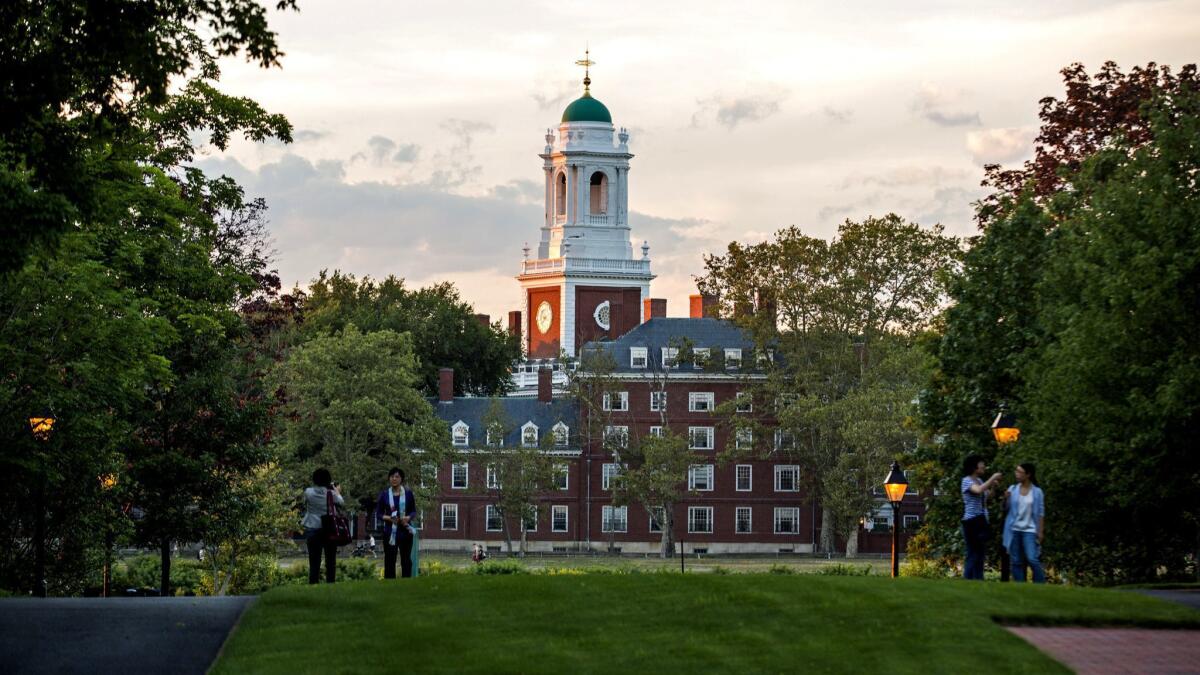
1109	651
1191	598
114	635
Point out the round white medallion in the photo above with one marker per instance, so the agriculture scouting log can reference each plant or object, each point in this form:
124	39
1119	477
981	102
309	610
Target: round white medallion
545	315
602	315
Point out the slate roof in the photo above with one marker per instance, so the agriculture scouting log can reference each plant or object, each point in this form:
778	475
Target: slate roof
472	409
658	333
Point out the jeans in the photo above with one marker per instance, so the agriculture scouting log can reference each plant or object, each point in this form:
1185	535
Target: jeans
404	548
1025	551
315	540
975	533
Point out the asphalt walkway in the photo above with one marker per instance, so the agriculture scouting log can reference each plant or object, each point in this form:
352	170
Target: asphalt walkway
115	635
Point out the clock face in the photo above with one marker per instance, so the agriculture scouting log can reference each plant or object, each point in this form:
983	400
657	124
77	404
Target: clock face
545	315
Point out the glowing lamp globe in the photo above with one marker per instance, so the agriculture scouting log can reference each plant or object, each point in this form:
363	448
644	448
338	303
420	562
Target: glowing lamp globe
42	425
895	485
1004	428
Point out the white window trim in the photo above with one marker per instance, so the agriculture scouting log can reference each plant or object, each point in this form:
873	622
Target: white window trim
536	435
795	519
696	398
733	356
608	524
736	484
650	521
712	438
562	435
741	443
710	477
622	430
744	396
466	434
493	477
622	398
793	469
535	522
691	520
566	514
658	401
639	352
466	476
670	357
605	475
453	508
656	431
699	356
910	518
750	519
493	442
487	519
564	470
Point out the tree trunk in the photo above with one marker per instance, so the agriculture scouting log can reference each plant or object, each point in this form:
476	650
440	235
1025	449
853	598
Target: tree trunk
524	539
507	536
668	543
827	531
164	582
852	542
228	575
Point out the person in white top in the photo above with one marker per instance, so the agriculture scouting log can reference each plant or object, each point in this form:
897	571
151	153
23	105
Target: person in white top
1024	525
317	499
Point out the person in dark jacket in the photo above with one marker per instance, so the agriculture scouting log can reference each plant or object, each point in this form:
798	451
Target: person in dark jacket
397	508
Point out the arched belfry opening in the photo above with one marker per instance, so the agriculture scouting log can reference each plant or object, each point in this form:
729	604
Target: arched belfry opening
560	195
599	194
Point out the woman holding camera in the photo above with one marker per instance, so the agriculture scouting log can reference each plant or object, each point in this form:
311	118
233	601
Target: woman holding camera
397	508
317	502
975	520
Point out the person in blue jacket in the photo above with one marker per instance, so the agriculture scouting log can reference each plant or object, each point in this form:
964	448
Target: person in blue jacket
1025	526
397	508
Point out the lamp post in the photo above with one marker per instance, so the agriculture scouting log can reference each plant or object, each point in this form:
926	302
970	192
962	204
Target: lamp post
895	485
107	483
1006	432
41	426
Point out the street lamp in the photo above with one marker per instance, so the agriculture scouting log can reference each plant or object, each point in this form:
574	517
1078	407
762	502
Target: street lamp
107	482
895	485
41	426
1004	428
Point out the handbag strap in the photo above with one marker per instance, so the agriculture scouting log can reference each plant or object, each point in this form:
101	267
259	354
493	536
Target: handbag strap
329	507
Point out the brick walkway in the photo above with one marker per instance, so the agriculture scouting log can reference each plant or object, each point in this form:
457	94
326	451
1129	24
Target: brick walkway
1108	651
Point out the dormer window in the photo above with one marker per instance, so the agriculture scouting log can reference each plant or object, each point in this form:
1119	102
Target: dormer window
460	434
733	359
562	435
638	357
495	438
700	357
669	357
529	435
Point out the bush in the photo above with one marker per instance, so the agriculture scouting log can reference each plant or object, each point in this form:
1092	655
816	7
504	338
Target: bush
721	570
253	574
781	569
924	569
564	571
844	570
499	567
437	567
357	569
143	572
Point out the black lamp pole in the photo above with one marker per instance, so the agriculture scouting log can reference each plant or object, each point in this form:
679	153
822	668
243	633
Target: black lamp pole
895	485
41	426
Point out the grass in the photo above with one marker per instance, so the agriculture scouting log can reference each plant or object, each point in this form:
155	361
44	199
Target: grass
710	623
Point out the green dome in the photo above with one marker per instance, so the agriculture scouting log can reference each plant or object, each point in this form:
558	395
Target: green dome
586	109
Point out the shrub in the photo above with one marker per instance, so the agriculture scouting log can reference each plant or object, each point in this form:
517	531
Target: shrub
437	567
357	569
844	570
721	570
564	571
924	569
253	574
499	567
781	569
143	572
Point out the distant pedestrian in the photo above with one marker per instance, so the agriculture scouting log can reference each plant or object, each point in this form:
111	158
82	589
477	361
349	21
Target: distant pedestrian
398	508
478	555
1024	526
975	520
317	499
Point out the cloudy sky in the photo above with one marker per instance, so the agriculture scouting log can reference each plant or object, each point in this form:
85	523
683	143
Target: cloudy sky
418	124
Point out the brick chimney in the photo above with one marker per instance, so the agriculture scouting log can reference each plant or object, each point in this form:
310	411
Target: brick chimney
703	306
545	385
514	322
766	306
484	320
445	385
654	308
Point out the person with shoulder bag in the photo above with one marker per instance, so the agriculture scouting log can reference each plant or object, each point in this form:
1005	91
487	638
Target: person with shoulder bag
975	519
320	508
398	509
1024	526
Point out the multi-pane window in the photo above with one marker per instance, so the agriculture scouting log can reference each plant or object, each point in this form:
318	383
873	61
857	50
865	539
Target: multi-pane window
529	435
784	440
460	434
700	438
449	516
744	477
558	518
701	401
495	438
656	432
700	477
493	477
616	400
787	478
638	357
495	522
743	438
700	357
733	358
607	473
784	400
563	475
614	519
742	520
911	521
787	520
670	357
745	401
458	476
428	475
658	518
529	522
562	435
616	436
658	401
700	519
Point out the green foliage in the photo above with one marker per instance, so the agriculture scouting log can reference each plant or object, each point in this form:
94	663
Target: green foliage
142	573
781	569
490	567
358	569
844	570
925	569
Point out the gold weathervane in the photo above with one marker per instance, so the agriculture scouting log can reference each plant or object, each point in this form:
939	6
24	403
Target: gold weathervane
587	63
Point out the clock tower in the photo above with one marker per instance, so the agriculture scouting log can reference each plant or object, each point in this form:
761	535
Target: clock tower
584	283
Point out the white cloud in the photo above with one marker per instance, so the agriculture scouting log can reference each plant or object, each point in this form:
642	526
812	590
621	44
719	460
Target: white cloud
944	107
729	111
1000	146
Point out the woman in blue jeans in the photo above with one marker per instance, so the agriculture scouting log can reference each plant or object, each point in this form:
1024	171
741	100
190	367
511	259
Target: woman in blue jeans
1024	526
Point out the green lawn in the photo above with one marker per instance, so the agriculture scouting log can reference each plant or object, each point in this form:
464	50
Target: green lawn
701	623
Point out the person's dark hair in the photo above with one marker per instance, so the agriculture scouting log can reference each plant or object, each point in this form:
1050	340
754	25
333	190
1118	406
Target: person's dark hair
1030	470
971	463
321	478
396	470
